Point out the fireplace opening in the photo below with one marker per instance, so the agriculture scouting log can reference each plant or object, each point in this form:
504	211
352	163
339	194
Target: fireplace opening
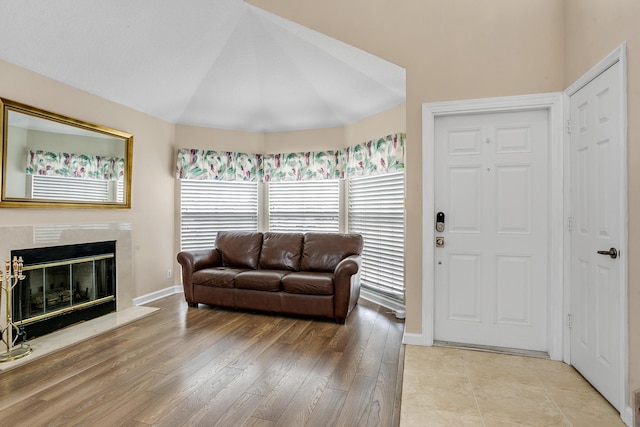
64	285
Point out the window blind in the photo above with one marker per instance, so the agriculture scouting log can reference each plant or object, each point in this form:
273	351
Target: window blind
120	191
207	207
69	188
376	210
302	206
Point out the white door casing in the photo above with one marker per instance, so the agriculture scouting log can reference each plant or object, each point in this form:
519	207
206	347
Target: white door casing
552	103
492	185
598	223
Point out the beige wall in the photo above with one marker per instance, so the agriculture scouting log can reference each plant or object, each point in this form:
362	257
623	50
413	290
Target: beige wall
304	140
593	29
389	122
458	49
382	124
464	49
218	139
152	212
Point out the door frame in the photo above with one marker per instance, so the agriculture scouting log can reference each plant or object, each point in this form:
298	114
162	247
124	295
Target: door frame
617	56
553	103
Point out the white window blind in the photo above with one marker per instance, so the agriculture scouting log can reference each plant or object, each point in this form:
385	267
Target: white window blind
69	188
376	210
302	206
119	190
207	207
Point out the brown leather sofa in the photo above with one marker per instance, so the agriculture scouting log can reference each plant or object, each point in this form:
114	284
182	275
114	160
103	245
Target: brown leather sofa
312	274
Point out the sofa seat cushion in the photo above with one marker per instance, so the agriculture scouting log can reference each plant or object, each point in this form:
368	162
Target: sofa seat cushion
218	277
260	280
305	282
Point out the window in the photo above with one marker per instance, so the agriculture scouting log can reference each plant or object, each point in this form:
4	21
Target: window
376	210
304	206
70	188
207	207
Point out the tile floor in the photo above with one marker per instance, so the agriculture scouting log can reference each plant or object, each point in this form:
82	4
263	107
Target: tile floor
450	387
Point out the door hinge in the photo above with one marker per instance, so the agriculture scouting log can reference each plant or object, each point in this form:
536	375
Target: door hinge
570	223
569	321
568	126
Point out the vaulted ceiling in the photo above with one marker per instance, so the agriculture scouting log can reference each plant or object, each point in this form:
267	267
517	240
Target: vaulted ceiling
211	63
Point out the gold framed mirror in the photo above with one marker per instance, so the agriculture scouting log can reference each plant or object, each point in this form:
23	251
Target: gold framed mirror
49	160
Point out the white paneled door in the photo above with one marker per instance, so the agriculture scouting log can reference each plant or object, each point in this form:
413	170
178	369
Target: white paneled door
491	265
597	186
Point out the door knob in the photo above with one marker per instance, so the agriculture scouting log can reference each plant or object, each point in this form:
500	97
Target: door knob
613	253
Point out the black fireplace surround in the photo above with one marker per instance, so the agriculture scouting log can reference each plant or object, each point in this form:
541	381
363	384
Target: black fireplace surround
64	285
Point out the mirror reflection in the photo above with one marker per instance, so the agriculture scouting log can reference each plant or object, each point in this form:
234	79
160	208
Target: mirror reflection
52	160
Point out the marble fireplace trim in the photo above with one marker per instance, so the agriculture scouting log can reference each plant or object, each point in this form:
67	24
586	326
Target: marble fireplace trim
40	236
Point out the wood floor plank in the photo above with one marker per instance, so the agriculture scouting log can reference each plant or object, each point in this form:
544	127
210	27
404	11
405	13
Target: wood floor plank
394	342
303	403
276	402
223	401
193	407
208	366
353	352
371	360
257	422
381	411
240	411
14	414
355	411
328	409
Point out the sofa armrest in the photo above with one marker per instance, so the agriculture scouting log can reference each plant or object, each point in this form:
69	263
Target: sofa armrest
346	278
192	261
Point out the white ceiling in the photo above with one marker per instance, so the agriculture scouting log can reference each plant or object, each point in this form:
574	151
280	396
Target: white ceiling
212	63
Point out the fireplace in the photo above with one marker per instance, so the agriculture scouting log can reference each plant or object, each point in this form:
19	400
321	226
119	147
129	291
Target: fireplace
64	285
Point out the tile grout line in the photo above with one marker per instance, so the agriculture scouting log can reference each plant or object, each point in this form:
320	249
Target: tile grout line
546	391
473	389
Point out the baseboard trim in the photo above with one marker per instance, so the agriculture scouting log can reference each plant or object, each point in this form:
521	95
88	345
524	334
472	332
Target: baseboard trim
627	417
145	299
416	339
397	308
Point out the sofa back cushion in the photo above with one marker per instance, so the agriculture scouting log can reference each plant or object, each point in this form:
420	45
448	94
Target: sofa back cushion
323	251
281	251
239	248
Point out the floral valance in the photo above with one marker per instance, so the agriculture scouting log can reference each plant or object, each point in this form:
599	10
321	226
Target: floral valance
211	165
378	156
302	166
40	162
373	157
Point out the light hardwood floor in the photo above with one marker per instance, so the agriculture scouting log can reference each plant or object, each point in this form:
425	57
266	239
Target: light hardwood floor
205	366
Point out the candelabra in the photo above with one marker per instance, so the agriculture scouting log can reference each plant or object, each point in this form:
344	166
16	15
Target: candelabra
11	332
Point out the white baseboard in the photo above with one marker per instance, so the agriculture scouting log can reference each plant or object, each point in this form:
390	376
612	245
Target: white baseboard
627	416
415	339
144	299
397	308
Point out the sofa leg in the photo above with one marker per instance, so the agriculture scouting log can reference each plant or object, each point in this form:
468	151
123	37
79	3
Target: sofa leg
192	304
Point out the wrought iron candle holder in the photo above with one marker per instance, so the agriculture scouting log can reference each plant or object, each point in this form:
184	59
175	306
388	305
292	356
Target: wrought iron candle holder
10	277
